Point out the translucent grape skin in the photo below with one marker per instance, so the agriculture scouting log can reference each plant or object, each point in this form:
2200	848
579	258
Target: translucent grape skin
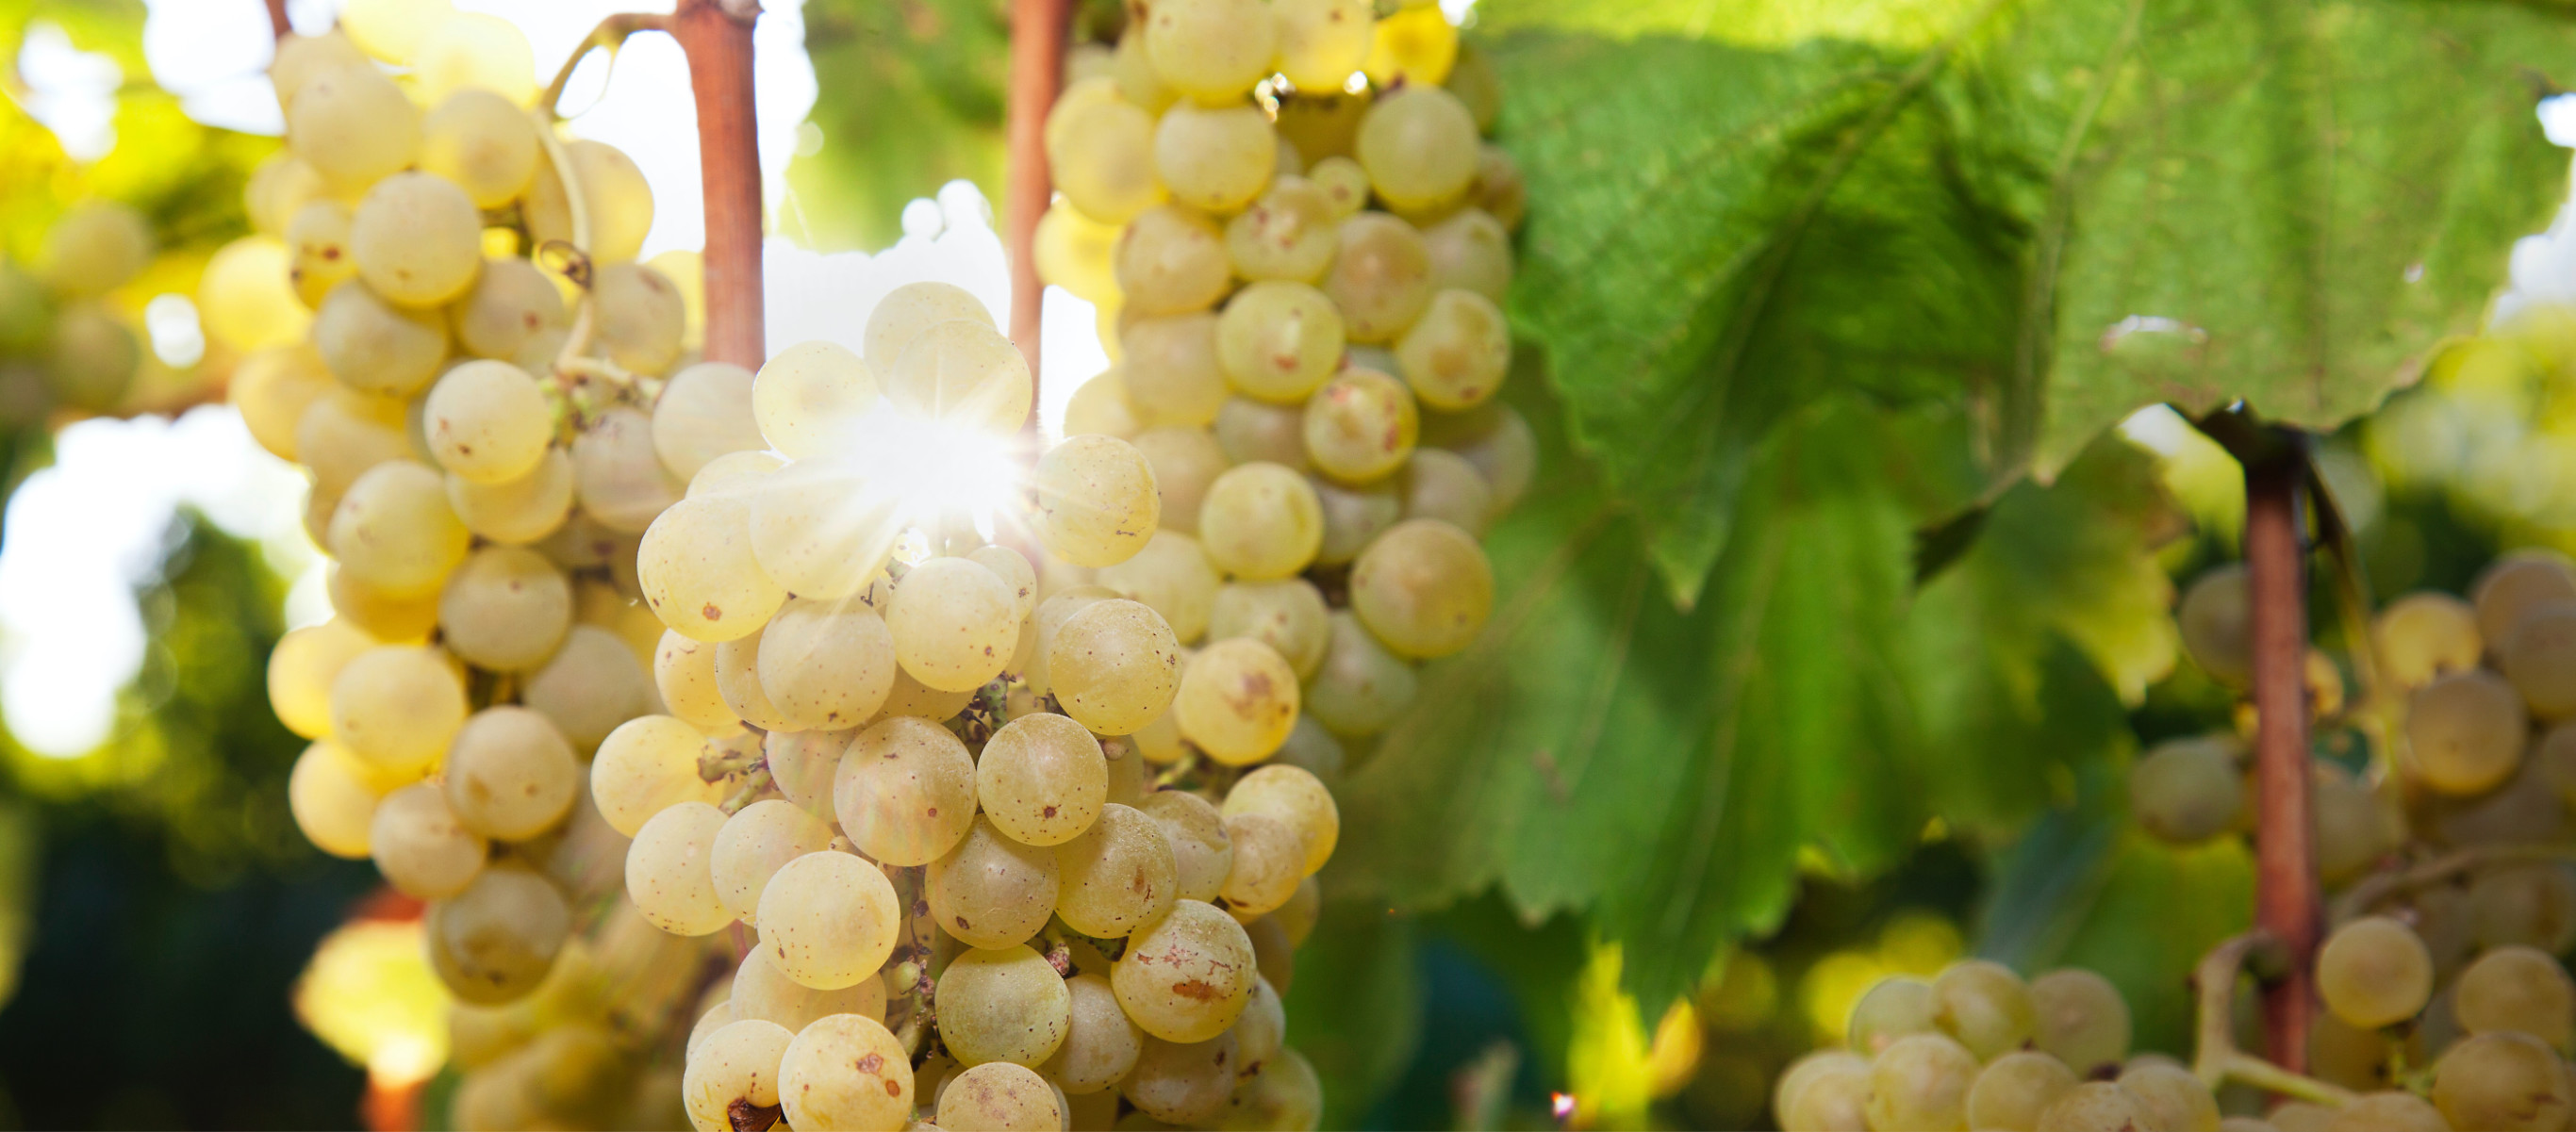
510	774
1042	779
2516	584
761	990
1173	369
1211	50
646	764
2014	1089
1195	833
495	941
1117	876
1102	154
1423	588
488	422
1269	857
953	624
2172	1096
1829	1091
1216	159
1173	577
2539	658
736	1065
397	707
1100	1044
1287	234
826	664
394	530
2080	1019
1114	665
753	845
1183	1083
1288	615
2214	616
2374	972
2501	1081
2423	635
505	608
1921	1081
992	891
1184	462
1361	688
1002	1096
1002	1004
846	1071
829	919
478	140
509	305
1186	976
1381	280
1893	1008
420	846
2519	989
905	791
374	346
417	239
1237	701
521	511
2187	791
1419	146
1097	500
1260	522
668	874
2465	732
1360	427
1456	354
1295	796
1171	260
963	371
704	411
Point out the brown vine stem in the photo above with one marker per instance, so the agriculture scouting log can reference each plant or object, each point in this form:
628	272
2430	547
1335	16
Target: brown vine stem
2368	894
716	37
1037	72
2215	1056
278	24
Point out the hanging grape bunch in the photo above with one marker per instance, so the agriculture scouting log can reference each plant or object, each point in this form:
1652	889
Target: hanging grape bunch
482	464
61	343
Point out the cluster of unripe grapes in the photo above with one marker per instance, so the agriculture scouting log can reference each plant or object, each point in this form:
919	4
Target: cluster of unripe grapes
61	343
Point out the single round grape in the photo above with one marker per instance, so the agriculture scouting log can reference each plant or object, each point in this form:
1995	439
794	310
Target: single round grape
1921	1081
1419	146
509	305
952	624
2355	827
618	479
826	664
2187	790
488	422
829	919
846	1071
2374	972
495	941
1075	252
807	398
1890	1009
1985	1006
1269	857
1119	875
1260	522
646	765
374	346
909	311
2519	989
1500	189
1412	45
505	608
1237	700
1114	666
760	990
1215	158
904	791
593	684
1424	588
2172	1096
520	511
396	707
684	670
1345	184
1171	575
641	316
333	796
1288	615
2014	1089
1186	976
1439	484
1361	688
1296	797
1184	461
273	388
753	844
1099	407
1250	431
1183	1083
1097	500
1497	440
1381	279
421	847
317	241
705	411
2215	616
1287	235
510	774
821	529
301	669
2465	732
394	530
1828	1093
1101	154
1100	1044
992	891
965	371
1455	356
480	142
2518	583
1195	833
1171	260
1470	251
2533	905
1321	42
1002	1004
1042	779
802	764
1360	426
1211	50
416	239
390	620
353	125
738	681
736	1067
2539	656
1172	371
2502	1081
669	874
614	194
2423	635
2079	1018
1001	1096
698	572
247	301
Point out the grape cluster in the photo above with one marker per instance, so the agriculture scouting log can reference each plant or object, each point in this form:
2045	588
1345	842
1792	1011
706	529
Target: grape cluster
483	463
61	342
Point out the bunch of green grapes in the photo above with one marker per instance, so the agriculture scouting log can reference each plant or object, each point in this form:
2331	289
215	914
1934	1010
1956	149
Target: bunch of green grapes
486	446
63	342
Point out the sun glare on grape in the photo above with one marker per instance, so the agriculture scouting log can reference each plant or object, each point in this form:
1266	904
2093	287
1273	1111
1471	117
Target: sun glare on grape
938	468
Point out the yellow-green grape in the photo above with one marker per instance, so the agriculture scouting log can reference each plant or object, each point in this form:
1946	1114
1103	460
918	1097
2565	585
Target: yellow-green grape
397	706
1500	190
594	683
2374	972
510	774
2517	584
1101	153
333	794
705	411
1002	1096
421	847
1099	407
668	873
1278	340
1984	1005
1288	234
646	765
2014	1089
846	1071
277	187
2215	616
1921	1081
909	311
618	201
1211	50
1361	426
1313	749
517	511
1473	80
2187	790
1424	588
2518	989
2096	1105
317	244
1381	279
739	1064
1283	1092
1321	42
1826	1089
377	347
1100	1044
301	669
1215	158
474	50
1237	701
1171	575
246	300
2501	1081
1419	146
684	671
2465	732
1345	184
1268	861
904	791
416	239
2171	1096
495	941
1354	517
910	698
738	681
734	474
1016	574
806	399
300	57
94	247
642	316
484	145
1185	461
2532	905
992	891
272	389
1183	1084
1098	500
1260	1032
2539	656
965	371
1002	1004
2079	1018
953	624
510	304
93	359
826	664
1890	1009
1132	69
1171	260
1440	484
821	529
1186	976
1250	431
1195	833
1295	797
488	422
1455	356
1172	374
1042	779
2424	635
829	919
698	572
1498	441
1274	957
1288	615
1073	251
2355	827
1114	666
1117	876
1260	522
2395	1111
390	620
1361	687
1470	251
753	845
802	765
1416	44
1058	608
353	125
760	990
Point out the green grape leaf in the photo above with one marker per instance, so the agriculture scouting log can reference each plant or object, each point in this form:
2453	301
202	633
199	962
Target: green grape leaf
1355	1007
911	98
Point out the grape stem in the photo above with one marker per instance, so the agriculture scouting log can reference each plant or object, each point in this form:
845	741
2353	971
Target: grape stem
2366	895
717	768
1037	72
608	36
2217	1060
